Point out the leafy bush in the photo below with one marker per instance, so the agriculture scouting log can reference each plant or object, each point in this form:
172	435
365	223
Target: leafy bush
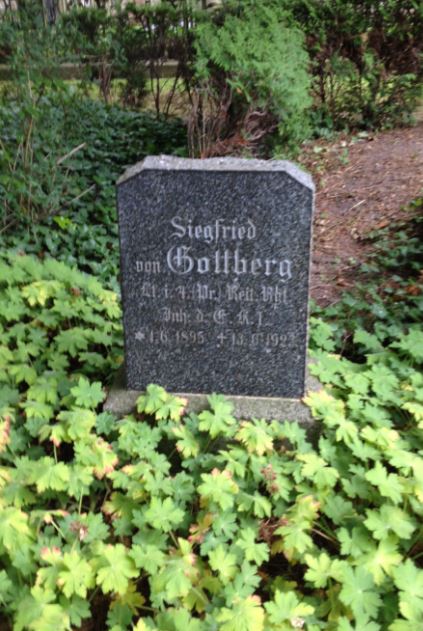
32	110
91	36
154	34
253	77
133	43
171	521
366	58
81	226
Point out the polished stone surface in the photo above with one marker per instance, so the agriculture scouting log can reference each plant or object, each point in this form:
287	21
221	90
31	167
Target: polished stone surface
215	259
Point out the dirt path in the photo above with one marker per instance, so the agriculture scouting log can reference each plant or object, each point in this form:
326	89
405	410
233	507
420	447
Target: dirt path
362	184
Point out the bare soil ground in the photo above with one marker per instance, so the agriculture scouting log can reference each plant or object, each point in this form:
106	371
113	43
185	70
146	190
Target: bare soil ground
363	183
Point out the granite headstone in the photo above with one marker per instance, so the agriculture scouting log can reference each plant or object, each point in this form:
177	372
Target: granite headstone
215	258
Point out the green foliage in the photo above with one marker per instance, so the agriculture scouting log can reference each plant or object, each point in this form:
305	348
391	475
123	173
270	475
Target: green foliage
251	64
176	521
81	226
32	157
366	60
388	300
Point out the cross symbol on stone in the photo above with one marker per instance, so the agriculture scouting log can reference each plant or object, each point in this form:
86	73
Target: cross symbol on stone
221	337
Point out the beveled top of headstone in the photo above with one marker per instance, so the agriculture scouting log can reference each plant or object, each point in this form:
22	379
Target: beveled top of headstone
217	164
215	259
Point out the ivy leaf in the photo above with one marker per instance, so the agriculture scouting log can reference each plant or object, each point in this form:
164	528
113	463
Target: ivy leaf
322	568
317	469
88	395
218	487
412	344
76	577
359	592
220	420
409	581
152	400
256	552
224	563
388	484
116	568
244	615
389	519
369	341
286	607
187	445
51	475
15	532
148	557
382	560
256	437
164	514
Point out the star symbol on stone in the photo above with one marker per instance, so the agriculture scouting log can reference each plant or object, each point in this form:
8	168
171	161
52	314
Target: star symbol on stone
139	335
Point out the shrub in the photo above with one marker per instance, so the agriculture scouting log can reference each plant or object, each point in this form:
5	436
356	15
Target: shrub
366	59
32	109
134	42
72	209
170	521
252	73
152	35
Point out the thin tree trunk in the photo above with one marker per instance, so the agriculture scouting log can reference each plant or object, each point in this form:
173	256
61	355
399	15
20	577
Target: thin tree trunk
50	11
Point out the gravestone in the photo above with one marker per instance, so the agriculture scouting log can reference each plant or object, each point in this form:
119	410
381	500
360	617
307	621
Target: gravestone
215	258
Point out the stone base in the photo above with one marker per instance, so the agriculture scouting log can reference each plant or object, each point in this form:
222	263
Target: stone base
121	401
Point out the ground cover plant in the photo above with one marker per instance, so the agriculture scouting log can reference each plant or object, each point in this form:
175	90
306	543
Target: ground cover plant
79	157
168	521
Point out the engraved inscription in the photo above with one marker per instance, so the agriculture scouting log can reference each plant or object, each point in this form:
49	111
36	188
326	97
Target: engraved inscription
167	337
214	232
233	314
215	275
176	316
181	260
148	267
231	292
